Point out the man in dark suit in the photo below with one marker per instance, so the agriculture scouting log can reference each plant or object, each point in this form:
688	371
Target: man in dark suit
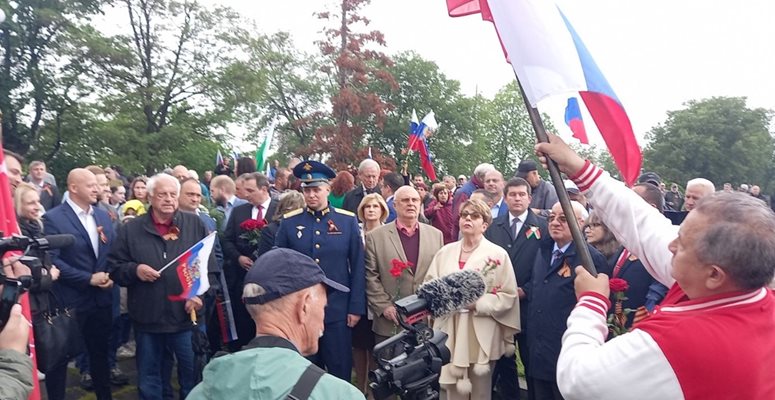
83	282
332	238
551	296
368	174
238	250
520	232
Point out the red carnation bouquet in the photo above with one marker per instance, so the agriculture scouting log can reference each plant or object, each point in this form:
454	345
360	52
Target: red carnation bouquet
396	271
252	228
618	319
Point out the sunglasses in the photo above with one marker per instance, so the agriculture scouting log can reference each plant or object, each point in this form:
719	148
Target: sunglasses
472	214
561	219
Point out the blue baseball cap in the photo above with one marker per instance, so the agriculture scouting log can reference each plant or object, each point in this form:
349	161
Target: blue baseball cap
313	173
283	271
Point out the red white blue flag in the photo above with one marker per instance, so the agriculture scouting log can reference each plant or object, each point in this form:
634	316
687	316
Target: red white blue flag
550	58
191	268
574	121
419	132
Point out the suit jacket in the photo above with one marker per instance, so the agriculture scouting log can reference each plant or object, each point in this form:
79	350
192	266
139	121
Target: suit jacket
352	199
234	245
552	297
77	263
49	196
382	246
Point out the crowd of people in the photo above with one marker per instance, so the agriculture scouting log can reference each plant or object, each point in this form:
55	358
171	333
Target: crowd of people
308	263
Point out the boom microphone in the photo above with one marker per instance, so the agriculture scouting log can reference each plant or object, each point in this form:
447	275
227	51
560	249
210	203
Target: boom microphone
43	243
444	295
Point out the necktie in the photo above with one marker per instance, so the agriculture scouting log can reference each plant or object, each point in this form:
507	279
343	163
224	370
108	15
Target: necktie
514	228
260	214
556	254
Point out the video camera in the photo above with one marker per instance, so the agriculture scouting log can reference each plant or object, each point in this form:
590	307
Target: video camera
13	288
413	373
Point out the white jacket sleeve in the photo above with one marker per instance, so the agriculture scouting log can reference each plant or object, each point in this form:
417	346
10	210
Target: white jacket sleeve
630	366
638	226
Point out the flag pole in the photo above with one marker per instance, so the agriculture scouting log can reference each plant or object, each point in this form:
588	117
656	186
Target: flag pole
562	194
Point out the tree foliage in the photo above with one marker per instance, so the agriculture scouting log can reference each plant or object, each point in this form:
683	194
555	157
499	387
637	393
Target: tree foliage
720	139
352	63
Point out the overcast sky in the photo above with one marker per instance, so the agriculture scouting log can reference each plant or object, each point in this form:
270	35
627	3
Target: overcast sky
656	54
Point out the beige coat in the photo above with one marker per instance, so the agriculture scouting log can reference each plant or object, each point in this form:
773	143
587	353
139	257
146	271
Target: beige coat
484	335
382	289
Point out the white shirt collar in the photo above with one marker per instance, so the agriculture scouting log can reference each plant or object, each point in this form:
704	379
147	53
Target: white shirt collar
563	249
522	217
78	210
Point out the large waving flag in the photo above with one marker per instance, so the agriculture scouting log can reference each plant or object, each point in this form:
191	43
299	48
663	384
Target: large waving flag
549	58
574	121
191	268
419	132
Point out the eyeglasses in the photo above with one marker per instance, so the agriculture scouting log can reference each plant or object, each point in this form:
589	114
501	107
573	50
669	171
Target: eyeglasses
560	218
472	214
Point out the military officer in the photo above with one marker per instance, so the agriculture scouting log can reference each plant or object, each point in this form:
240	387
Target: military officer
331	237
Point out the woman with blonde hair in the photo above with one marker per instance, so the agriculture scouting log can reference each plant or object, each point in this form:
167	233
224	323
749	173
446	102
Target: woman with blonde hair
483	332
28	213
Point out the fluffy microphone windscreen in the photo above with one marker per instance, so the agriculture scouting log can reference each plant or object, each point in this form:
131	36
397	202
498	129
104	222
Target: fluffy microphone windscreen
452	292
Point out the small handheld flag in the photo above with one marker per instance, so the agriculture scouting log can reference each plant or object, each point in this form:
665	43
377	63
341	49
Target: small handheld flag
191	268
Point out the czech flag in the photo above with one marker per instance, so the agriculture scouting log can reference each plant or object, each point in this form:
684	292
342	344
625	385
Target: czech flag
191	268
419	132
550	58
574	121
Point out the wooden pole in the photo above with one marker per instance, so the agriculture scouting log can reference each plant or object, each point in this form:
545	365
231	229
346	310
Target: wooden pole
562	195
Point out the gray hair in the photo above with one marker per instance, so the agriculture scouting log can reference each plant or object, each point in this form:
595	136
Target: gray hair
280	305
151	185
482	169
740	237
368	163
579	210
703	183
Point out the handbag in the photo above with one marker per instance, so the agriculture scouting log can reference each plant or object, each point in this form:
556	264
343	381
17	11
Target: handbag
57	336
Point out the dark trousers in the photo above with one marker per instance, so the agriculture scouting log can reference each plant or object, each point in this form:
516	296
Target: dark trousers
243	322
545	390
96	326
335	351
56	382
505	376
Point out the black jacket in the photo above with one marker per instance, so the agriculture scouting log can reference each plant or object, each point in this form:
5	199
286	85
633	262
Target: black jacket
352	199
139	243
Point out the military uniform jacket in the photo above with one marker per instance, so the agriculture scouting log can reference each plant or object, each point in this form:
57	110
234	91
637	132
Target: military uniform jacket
332	238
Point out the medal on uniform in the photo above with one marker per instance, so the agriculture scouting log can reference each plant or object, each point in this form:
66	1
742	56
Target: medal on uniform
299	227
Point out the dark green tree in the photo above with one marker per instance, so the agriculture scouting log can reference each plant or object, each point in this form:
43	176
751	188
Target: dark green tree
720	139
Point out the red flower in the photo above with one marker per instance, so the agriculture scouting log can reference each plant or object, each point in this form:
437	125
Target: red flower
618	285
252	224
398	267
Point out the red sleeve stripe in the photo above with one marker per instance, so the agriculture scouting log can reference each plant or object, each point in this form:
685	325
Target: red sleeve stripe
586	176
595	302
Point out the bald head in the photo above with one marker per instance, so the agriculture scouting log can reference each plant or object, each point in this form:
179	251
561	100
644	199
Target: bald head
83	188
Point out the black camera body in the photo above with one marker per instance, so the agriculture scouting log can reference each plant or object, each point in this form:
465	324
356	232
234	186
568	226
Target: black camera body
13	288
410	362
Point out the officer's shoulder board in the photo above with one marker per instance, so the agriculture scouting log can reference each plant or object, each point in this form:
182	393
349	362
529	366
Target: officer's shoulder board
293	213
345	212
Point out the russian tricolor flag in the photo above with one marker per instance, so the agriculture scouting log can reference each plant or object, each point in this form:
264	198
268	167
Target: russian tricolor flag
419	131
191	268
574	121
550	58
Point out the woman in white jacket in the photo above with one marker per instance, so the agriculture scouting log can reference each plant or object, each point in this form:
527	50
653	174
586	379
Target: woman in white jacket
482	333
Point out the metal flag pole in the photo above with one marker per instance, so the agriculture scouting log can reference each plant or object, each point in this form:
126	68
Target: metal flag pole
554	173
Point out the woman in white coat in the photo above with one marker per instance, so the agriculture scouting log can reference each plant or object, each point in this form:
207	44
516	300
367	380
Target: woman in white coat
482	333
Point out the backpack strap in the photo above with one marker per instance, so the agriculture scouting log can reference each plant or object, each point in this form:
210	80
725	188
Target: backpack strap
303	387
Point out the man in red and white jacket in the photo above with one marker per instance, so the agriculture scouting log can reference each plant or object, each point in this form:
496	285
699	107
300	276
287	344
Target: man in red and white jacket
713	336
